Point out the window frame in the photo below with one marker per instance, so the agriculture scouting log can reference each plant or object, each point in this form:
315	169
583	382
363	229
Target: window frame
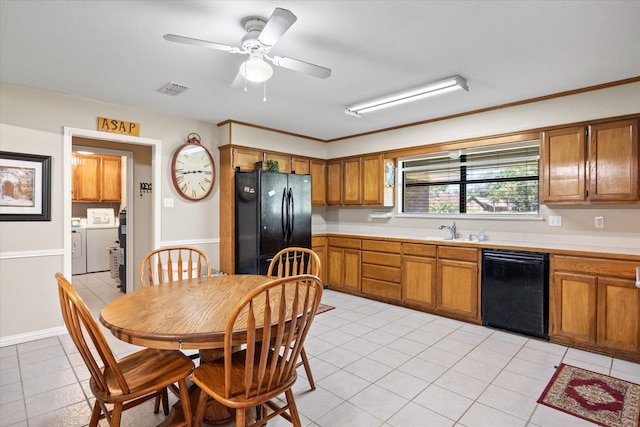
463	182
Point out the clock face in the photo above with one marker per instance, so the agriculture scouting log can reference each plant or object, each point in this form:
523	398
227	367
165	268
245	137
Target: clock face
193	171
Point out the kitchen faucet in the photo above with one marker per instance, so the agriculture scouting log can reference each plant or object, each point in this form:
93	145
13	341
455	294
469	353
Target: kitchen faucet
452	230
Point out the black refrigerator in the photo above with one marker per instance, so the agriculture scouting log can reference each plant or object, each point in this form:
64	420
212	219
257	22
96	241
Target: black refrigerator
273	212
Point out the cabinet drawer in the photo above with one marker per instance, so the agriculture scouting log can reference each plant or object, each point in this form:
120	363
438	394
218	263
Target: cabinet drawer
344	242
597	266
318	241
419	250
390	274
460	254
381	258
381	246
380	288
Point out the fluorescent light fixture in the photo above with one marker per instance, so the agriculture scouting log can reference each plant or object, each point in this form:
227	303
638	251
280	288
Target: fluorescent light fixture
256	70
431	89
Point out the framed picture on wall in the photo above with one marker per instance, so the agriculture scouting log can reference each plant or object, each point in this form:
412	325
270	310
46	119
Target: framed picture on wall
25	187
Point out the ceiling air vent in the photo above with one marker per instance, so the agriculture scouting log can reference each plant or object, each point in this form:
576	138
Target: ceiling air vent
173	89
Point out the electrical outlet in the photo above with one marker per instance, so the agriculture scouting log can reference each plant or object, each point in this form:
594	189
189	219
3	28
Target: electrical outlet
555	221
168	202
599	222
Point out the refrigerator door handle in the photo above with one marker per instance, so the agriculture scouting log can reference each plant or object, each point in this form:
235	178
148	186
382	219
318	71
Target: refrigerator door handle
292	216
285	215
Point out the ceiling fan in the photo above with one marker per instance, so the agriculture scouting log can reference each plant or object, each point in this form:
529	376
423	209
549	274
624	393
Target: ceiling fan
257	43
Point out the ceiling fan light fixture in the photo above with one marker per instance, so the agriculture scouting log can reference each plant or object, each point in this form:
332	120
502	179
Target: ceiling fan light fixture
436	88
256	70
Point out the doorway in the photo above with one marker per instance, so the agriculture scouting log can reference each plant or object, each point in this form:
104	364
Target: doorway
147	231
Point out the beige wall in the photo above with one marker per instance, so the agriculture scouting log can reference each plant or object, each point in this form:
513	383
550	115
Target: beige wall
33	121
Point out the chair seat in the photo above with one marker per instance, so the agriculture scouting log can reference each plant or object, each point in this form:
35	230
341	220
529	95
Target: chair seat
210	377
144	372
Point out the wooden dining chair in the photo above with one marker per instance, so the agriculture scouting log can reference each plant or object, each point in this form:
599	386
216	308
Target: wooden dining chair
173	263
291	262
125	382
255	375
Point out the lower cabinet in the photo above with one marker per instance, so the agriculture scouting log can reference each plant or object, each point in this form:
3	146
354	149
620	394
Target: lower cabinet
594	304
319	246
381	263
458	290
343	262
419	266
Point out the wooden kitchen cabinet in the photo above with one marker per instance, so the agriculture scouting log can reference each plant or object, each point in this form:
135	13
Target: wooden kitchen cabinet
613	161
300	166
373	180
111	178
601	167
246	158
457	285
318	170
334	182
351	182
284	161
594	304
319	246
419	267
96	178
343	262
381	269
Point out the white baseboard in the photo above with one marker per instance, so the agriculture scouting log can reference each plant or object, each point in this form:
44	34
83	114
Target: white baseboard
32	336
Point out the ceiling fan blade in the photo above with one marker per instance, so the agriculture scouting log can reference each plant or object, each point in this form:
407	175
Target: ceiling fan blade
201	43
301	66
278	24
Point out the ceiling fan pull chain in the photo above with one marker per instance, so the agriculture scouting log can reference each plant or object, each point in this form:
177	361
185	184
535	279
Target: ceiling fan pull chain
264	88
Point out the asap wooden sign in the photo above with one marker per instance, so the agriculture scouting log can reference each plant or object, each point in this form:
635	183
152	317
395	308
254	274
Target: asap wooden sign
106	124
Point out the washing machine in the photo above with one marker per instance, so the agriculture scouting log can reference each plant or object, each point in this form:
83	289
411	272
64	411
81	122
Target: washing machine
78	250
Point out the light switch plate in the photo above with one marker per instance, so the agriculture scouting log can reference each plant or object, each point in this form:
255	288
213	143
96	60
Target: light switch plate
168	202
599	223
555	221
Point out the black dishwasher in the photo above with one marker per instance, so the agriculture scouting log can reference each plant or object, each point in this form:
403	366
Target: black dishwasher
515	291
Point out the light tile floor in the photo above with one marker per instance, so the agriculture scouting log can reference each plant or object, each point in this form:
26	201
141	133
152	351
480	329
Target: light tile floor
374	364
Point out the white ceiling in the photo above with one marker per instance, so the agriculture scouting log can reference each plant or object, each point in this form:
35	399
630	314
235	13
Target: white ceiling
508	51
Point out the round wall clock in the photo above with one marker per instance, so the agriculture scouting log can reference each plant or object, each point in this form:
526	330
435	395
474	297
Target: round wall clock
192	170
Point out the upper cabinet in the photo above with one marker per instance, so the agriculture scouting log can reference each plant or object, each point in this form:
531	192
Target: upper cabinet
96	178
318	170
360	181
596	163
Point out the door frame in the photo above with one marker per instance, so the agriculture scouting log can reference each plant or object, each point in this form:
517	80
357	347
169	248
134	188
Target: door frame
156	157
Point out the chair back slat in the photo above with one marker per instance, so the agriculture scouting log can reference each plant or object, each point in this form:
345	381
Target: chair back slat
173	263
294	261
278	313
87	336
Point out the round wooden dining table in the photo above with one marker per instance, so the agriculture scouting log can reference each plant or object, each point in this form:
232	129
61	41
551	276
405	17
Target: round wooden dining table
181	315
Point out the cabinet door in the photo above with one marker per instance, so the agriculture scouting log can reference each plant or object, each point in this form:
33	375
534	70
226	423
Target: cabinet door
88	179
334	182
300	166
613	161
572	307
335	266
318	171
457	291
373	180
351	182
352	269
284	161
419	281
111	179
562	166
320	251
619	314
246	158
